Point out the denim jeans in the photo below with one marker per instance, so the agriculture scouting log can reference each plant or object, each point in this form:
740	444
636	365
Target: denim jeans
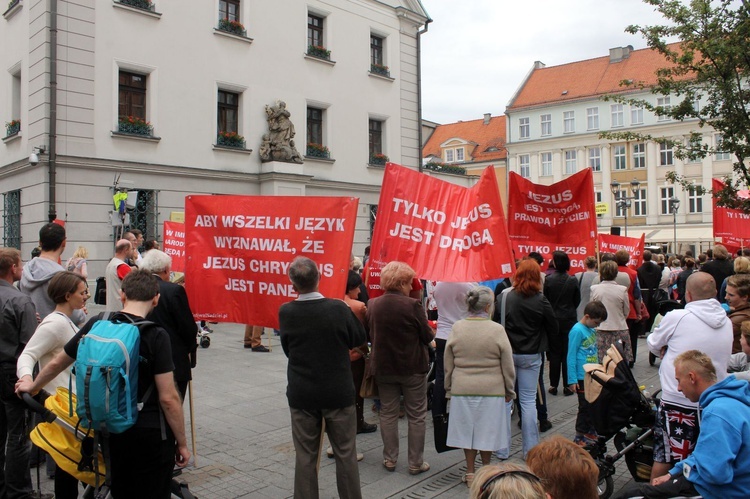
15	477
527	374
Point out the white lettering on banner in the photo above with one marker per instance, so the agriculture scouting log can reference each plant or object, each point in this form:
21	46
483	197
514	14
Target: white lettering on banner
220	262
174	251
207	221
253	244
523	217
312	247
276	289
466	242
242	285
415	234
481	211
253	222
585	215
416	211
320	224
527	248
562	211
558	198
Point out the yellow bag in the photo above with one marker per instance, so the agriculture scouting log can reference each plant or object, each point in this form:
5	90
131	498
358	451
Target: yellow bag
62	444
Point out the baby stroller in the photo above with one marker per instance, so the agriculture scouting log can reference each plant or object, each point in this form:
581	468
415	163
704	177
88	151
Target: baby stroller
619	412
73	449
662	308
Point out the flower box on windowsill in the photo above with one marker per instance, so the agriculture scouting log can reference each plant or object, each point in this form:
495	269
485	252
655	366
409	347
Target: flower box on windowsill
135	126
13	7
380	70
12	128
317	151
378	159
230	139
319	51
139	4
442	168
232	27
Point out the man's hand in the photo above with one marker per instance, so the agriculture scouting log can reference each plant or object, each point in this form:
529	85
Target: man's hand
662	352
661	479
25	385
182	456
573	387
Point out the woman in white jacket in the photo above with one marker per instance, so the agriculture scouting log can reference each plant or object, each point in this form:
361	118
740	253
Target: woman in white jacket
69	292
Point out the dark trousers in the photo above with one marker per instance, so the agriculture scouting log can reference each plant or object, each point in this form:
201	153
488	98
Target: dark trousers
358	374
558	353
66	485
677	487
584	424
15	477
439	405
634	328
142	463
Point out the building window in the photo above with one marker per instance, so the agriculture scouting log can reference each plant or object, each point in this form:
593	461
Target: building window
524	165
449	155
229	9
315	126
15	92
571	165
595	159
666	104
12	219
132	95
639	155
619	209
314	31
720	155
546	158
598	199
376	50
459	154
620	154
695	201
667	193
618	115
569	121
592	118
666	155
639	203
523	128
144	215
375	128
636	115
546	124
228	111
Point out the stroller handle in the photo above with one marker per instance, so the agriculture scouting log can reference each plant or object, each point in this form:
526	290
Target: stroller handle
47	415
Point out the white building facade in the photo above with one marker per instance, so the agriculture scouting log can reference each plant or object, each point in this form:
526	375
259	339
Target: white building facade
346	69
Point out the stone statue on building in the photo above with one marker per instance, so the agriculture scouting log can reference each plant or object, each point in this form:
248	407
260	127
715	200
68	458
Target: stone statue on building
277	144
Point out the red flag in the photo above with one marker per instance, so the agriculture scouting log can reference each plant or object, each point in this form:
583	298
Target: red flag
563	211
729	222
610	244
444	231
577	252
174	244
239	249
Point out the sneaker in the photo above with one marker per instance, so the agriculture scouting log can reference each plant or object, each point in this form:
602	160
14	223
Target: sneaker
260	348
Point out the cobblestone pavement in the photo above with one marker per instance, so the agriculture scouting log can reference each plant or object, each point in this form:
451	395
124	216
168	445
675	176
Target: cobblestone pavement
243	438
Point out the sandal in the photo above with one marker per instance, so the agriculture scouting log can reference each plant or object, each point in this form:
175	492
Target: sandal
421	469
389	465
468	479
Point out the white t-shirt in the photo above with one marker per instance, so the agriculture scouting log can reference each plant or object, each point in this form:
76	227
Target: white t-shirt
450	298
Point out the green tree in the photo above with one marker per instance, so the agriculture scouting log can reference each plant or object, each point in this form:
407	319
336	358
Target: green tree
711	61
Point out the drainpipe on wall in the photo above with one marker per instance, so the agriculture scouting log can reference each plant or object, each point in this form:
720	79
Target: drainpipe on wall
52	110
419	91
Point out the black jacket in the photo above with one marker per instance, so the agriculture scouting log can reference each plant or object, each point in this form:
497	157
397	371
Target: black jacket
529	322
649	276
564	295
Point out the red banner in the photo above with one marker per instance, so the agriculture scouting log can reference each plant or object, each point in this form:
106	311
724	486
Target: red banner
563	211
239	249
577	252
734	245
610	244
174	244
444	231
729	222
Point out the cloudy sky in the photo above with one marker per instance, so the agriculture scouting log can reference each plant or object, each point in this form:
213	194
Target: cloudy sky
477	52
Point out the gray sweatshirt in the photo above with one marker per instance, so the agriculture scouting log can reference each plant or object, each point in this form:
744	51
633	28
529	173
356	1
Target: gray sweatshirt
34	281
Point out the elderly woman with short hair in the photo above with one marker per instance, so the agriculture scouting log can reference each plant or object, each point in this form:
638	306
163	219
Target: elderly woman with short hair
615	300
479	379
399	333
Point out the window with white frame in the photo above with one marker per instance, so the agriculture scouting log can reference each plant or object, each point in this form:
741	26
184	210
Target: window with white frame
618	115
666	104
592	118
639	203
598	199
620	156
546	158
720	155
619	208
569	121
571	162
695	201
595	159
524	165
449	156
636	115
546	120
666	193
459	154
697	104
694	144
666	155
639	155
523	128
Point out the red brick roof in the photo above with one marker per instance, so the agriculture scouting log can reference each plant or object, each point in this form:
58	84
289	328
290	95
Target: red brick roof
491	135
589	78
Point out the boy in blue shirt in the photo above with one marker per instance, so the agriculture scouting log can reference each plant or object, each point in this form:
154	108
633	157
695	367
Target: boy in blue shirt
582	350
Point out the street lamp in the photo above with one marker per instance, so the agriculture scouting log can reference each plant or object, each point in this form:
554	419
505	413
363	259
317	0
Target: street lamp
623	201
674	205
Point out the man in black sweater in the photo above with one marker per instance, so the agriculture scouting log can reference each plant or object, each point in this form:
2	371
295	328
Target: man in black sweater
316	335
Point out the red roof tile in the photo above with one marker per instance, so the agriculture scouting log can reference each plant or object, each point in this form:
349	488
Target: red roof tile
491	135
589	78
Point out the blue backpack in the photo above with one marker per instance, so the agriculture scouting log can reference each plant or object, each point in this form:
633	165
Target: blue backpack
106	369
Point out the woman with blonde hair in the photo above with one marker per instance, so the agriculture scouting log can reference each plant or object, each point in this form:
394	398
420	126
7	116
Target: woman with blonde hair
399	332
77	262
507	481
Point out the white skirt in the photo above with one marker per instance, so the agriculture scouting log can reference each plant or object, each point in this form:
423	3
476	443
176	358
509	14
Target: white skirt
478	423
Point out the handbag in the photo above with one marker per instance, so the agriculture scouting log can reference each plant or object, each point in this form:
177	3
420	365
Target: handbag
440	426
369	388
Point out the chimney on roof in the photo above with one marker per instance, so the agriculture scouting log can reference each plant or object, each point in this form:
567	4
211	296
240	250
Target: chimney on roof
617	54
487	117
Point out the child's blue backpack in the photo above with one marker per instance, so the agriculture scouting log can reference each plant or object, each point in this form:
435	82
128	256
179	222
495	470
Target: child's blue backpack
106	370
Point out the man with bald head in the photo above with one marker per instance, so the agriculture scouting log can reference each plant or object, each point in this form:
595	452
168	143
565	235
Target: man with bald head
115	272
702	325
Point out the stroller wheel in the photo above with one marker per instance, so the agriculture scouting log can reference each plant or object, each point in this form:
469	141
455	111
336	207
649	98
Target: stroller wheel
205	342
651	359
605	487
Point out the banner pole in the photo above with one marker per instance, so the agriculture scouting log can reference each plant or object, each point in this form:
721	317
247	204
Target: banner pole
192	422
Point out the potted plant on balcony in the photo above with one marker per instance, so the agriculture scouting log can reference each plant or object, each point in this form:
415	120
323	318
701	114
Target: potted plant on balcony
319	51
134	126
230	139
232	26
380	69
140	4
12	127
317	151
378	159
